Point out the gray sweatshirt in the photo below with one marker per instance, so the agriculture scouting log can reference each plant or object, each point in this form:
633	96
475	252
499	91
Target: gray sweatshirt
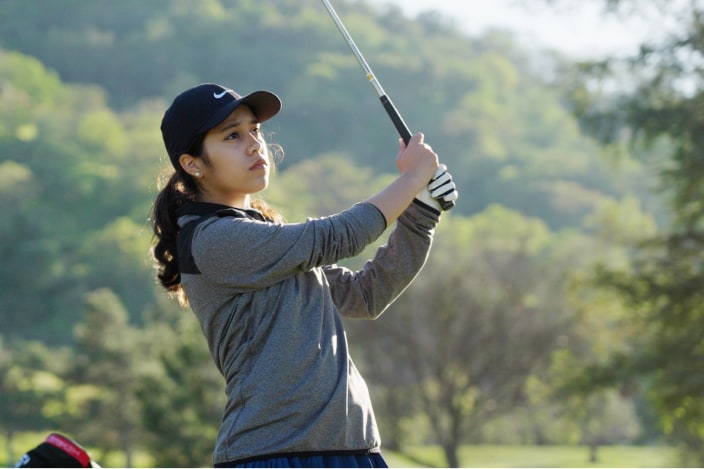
269	298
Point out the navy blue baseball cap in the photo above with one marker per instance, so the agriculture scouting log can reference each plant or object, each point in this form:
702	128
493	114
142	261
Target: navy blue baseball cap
199	109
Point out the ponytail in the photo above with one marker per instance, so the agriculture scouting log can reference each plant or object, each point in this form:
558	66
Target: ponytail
179	189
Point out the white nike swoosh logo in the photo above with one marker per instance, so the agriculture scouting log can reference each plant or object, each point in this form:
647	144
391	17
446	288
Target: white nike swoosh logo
219	95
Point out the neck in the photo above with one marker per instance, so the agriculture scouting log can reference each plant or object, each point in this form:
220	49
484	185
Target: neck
236	201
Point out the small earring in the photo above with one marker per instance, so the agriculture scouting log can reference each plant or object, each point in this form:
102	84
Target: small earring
197	174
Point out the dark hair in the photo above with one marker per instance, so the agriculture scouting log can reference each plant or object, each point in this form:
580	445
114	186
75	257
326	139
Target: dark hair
180	189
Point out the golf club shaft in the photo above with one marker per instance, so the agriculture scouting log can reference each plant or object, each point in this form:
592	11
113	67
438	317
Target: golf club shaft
391	110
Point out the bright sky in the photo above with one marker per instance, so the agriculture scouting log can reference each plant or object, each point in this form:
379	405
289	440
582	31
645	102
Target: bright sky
580	31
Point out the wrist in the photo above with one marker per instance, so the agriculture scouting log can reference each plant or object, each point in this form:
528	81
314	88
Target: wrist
413	182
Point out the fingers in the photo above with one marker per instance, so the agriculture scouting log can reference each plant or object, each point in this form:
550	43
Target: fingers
442	187
443	181
441	176
417	158
418	137
451	196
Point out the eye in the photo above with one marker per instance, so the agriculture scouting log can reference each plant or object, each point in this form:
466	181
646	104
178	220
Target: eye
233	136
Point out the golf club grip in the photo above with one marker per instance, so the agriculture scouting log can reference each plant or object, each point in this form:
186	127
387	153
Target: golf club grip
396	118
405	134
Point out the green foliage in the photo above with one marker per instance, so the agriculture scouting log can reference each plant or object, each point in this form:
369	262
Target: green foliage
182	398
661	288
504	301
337	181
29	76
31	388
106	370
62	164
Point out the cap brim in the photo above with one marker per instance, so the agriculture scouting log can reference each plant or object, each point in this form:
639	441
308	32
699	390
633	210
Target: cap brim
264	105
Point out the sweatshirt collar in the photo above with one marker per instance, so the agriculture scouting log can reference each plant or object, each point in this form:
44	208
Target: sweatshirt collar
201	209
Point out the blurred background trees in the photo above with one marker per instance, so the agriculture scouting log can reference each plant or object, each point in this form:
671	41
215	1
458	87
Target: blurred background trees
658	116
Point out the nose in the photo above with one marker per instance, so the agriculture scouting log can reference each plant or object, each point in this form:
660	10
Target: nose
255	144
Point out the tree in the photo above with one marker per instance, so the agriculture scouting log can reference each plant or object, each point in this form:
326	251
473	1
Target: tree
105	376
483	316
608	418
182	397
659	109
32	392
338	181
60	156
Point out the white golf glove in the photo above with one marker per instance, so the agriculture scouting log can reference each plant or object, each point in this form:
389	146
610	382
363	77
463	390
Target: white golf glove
441	192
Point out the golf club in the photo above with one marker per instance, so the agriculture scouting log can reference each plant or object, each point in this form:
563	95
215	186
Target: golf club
391	110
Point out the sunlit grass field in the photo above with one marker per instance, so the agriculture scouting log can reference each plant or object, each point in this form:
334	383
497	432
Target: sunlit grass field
538	456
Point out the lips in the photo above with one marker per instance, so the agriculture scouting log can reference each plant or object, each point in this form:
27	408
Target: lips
260	164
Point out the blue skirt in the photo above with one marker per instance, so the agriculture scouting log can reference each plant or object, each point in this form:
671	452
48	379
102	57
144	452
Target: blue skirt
324	459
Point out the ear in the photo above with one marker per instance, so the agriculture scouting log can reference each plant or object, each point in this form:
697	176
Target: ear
190	164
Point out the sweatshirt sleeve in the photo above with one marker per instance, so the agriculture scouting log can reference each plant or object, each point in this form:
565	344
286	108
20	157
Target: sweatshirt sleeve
247	254
366	293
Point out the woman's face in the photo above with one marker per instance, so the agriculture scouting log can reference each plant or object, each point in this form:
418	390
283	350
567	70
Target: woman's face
238	160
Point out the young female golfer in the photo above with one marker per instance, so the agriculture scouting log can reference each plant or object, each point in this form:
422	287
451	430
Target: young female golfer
268	294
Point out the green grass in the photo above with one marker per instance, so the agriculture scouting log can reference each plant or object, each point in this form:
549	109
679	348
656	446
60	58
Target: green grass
537	456
469	456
